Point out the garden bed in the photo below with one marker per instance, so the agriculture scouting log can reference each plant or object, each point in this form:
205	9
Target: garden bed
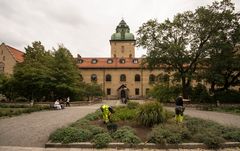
142	124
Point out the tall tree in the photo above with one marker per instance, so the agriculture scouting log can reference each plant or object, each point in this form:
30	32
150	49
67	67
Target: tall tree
66	76
33	76
183	43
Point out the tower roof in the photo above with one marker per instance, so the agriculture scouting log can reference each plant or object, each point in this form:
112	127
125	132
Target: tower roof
122	32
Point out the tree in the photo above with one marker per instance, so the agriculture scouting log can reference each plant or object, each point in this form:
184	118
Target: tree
224	62
33	76
65	74
182	44
92	90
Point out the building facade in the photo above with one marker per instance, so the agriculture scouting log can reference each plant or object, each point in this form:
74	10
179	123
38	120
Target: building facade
122	73
9	56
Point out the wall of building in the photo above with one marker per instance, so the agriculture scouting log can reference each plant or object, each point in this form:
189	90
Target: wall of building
123	49
143	85
7	59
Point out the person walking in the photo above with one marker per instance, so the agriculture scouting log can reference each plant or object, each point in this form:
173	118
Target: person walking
106	113
179	109
68	102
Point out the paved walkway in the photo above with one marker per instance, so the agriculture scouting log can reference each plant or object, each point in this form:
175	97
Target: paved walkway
33	130
222	118
7	148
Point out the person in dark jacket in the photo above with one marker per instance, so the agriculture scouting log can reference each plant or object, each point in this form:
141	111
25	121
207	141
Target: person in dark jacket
179	109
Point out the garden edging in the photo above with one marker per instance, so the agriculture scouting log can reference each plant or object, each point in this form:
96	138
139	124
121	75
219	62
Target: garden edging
140	146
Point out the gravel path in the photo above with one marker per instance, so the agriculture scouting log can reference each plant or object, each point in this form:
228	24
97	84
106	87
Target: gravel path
33	130
222	118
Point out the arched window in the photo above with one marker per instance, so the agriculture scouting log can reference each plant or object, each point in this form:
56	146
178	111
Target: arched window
108	77
137	77
122	61
152	78
94	78
81	77
122	77
94	61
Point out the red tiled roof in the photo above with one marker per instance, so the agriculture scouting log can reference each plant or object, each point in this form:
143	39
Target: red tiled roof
102	63
17	54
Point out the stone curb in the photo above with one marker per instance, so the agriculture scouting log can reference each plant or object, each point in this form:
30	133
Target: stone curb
141	145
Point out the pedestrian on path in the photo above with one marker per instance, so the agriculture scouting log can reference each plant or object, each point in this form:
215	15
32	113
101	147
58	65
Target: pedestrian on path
179	109
68	102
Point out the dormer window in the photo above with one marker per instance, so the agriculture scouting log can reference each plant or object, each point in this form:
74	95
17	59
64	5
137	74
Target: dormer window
80	61
94	61
109	61
135	61
122	61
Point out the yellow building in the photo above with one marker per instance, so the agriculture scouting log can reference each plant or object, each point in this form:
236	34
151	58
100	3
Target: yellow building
121	74
9	56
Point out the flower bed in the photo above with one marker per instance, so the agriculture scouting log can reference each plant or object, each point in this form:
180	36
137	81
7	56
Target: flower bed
145	124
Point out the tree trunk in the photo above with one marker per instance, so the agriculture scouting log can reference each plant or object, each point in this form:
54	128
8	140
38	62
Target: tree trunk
185	88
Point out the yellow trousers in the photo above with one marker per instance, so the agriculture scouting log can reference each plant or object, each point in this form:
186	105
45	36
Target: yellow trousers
179	118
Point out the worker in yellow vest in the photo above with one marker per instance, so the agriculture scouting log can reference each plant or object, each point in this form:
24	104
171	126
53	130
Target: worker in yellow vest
106	113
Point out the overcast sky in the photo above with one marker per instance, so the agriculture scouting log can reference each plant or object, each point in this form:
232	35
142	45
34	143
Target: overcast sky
83	26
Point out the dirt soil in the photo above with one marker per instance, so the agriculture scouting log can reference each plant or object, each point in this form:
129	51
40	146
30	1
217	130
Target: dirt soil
141	131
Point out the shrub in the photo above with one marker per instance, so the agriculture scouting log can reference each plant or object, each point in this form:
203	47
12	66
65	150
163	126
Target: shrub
132	105
95	129
70	135
101	140
126	135
211	140
80	123
172	134
93	116
164	92
21	99
233	135
200	94
229	96
123	113
151	113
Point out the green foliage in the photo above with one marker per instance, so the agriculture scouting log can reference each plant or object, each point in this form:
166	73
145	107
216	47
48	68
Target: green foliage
95	129
101	140
81	123
211	140
123	113
151	113
93	116
200	94
132	105
183	43
172	134
229	96
165	93
71	135
92	90
233	135
126	135
17	109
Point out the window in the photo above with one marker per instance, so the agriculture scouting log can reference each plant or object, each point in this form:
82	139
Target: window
3	58
137	77
122	77
137	91
1	67
80	61
108	91
94	61
151	78
109	61
122	60
81	77
108	77
135	61
147	91
122	49
93	77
